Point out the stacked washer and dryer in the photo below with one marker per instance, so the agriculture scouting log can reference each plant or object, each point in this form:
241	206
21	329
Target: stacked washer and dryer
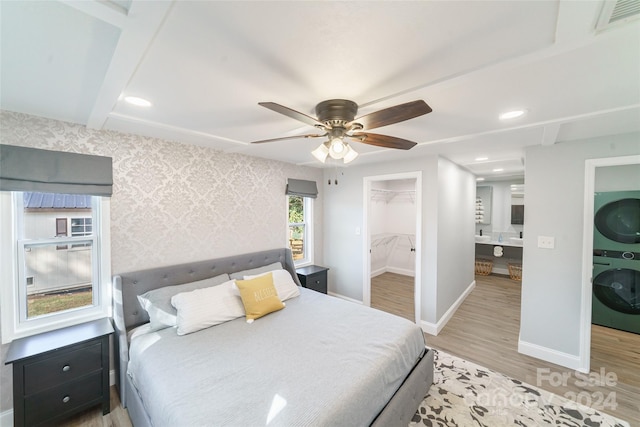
616	260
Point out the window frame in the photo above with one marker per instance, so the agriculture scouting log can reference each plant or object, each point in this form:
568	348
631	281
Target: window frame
13	324
308	237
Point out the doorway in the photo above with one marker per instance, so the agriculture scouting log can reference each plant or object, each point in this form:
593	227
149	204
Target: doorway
391	240
593	168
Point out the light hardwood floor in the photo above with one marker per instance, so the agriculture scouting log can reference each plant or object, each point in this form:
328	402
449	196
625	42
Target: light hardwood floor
485	331
393	293
118	417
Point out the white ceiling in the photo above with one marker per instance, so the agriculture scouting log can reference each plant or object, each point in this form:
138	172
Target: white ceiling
206	65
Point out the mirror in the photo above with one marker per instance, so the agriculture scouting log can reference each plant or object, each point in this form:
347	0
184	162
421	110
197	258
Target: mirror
517	204
483	204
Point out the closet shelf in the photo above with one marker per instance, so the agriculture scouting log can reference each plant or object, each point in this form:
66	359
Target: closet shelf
384	241
388	239
388	195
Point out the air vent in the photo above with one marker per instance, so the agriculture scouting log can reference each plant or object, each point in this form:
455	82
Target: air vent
617	12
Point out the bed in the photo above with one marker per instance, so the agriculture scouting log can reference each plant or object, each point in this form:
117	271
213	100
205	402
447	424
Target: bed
320	360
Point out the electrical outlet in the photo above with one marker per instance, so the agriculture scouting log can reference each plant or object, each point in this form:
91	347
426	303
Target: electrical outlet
546	242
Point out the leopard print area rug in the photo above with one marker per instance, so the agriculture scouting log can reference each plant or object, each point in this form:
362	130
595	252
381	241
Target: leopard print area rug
465	394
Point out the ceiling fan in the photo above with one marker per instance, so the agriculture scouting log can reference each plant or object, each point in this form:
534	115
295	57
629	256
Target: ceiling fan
336	117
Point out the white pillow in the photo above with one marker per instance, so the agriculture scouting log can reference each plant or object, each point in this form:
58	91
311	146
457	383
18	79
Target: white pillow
206	307
285	286
157	302
256	271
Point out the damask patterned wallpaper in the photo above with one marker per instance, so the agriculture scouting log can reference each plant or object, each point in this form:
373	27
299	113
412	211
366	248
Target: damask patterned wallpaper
173	202
176	202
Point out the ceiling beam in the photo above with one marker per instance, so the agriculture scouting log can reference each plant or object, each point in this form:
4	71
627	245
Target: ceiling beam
546	124
550	133
176	129
108	12
576	20
143	22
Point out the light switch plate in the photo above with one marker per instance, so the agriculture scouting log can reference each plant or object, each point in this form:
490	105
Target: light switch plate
546	242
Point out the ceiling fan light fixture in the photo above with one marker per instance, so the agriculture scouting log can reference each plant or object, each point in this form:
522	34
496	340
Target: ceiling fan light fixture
337	148
351	155
321	152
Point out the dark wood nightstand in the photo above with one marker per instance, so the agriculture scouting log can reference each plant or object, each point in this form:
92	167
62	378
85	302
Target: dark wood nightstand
60	373
313	277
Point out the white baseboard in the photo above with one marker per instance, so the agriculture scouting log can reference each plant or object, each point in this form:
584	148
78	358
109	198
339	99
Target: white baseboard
344	298
402	271
378	272
6	418
388	269
435	328
550	355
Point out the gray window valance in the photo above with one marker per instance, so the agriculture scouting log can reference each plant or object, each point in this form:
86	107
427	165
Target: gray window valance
33	169
300	187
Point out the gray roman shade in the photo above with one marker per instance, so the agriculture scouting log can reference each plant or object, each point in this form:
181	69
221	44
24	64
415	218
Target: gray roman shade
32	169
300	187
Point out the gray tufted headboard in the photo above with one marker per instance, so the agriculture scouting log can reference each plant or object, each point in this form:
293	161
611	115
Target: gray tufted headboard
128	313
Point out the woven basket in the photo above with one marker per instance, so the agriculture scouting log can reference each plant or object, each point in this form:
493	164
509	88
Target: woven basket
484	267
515	271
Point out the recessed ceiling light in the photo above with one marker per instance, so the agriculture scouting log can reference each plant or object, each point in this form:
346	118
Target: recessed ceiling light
514	114
481	159
498	170
140	102
480	179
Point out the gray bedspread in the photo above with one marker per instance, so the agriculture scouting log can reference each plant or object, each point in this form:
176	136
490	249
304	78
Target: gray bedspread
320	361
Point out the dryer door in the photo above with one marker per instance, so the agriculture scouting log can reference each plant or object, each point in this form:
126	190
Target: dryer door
620	220
619	289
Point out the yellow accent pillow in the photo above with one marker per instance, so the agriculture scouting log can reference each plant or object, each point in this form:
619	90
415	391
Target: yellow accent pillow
259	296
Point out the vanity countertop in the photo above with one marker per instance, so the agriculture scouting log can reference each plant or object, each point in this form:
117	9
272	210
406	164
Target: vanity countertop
503	243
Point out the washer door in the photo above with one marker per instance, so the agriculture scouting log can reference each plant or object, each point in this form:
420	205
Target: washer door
620	220
619	289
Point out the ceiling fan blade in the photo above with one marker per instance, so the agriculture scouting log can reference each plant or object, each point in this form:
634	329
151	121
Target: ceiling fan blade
291	113
383	140
391	115
288	137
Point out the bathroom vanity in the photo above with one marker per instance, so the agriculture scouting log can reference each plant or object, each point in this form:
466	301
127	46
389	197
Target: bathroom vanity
511	253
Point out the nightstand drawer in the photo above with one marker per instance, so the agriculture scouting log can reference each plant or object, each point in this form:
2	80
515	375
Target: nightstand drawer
313	277
57	401
317	282
64	366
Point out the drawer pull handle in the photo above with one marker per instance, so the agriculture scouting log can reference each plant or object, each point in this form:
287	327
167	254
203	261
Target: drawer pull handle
317	281
66	368
66	399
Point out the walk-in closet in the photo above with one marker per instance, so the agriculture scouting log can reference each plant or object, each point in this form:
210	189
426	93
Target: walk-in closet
392	219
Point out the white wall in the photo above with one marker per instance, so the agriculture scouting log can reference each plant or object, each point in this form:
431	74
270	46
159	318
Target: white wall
447	238
456	240
552	278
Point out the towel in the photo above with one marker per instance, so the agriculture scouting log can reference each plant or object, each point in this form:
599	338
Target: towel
498	251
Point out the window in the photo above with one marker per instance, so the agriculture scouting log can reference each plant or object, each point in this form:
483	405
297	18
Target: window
55	279
81	226
300	232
